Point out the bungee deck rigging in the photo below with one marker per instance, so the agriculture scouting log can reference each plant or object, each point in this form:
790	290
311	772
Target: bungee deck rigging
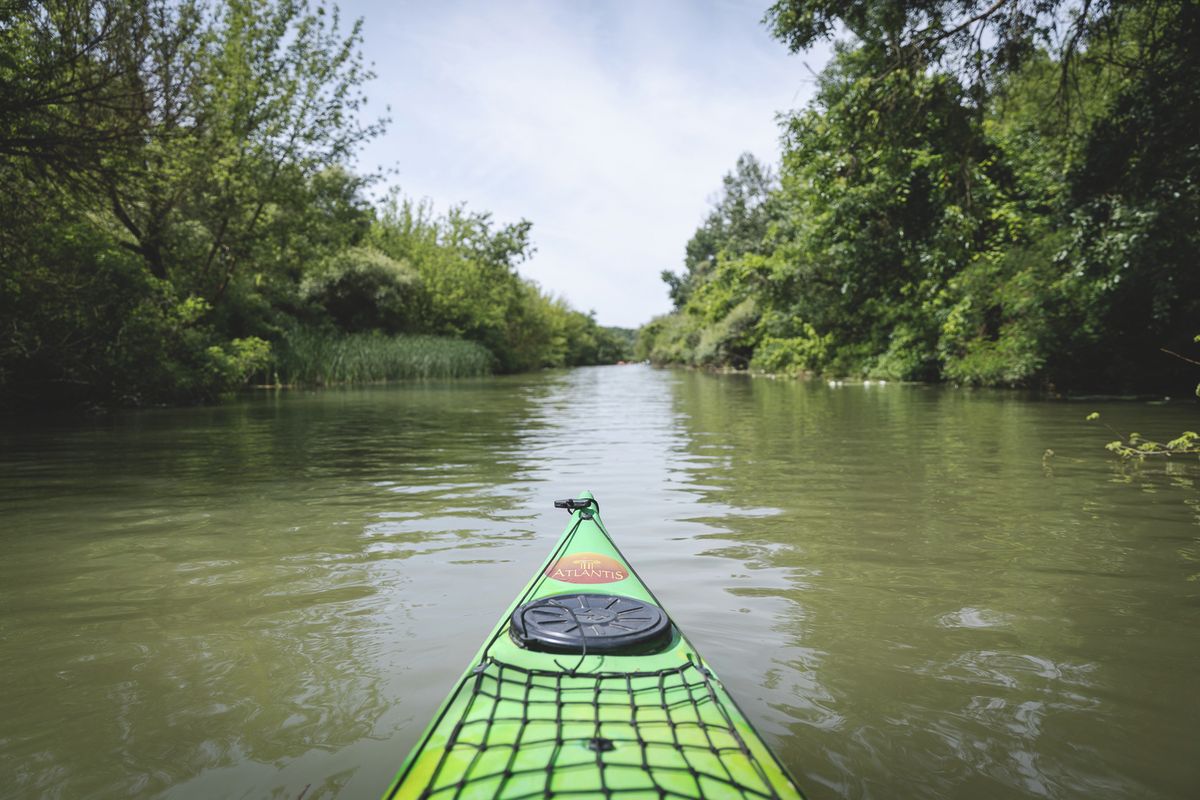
586	689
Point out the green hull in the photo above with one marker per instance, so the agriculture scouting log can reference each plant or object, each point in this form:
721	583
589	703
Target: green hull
524	724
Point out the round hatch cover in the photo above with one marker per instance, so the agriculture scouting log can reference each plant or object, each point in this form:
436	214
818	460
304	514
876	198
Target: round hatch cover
597	623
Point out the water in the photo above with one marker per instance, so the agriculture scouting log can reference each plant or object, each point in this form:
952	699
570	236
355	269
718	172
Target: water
906	595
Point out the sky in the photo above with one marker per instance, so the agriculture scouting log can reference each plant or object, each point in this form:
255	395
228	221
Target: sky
609	124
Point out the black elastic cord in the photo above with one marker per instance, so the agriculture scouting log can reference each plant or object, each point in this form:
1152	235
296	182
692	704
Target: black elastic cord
582	636
533	586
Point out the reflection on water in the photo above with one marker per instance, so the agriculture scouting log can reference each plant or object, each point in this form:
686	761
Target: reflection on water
909	600
972	626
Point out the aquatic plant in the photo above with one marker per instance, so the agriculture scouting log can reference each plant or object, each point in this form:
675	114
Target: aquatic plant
318	358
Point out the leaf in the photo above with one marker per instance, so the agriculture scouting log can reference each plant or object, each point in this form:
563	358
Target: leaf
1185	441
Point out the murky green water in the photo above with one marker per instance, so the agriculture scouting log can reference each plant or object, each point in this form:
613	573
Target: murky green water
271	597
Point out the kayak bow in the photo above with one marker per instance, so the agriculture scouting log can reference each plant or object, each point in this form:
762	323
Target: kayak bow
587	689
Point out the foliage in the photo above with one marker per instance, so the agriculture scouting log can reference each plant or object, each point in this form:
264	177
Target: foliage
989	193
179	210
738	224
361	289
69	84
977	41
726	340
467	266
1134	447
86	323
667	339
791	354
308	357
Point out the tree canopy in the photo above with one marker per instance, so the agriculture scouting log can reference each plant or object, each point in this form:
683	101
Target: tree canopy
997	193
180	204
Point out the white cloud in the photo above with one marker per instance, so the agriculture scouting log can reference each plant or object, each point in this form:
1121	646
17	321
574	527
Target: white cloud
608	125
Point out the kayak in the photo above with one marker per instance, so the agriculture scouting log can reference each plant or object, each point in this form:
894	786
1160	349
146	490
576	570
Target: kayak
587	689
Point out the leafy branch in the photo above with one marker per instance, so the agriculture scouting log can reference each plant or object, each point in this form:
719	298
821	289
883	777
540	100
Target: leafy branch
1137	448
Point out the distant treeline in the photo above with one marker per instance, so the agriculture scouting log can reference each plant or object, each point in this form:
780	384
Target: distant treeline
177	217
991	193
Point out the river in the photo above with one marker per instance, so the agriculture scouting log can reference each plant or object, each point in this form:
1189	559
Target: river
906	594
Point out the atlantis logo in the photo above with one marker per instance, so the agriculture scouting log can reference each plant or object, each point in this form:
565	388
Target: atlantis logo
587	568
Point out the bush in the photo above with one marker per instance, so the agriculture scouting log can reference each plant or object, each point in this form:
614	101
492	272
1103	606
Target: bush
730	340
362	289
669	339
793	354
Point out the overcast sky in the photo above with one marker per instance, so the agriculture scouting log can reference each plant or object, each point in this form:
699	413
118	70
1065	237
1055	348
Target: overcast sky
607	124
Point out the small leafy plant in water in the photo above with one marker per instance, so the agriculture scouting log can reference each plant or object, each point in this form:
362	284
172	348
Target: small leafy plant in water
1136	447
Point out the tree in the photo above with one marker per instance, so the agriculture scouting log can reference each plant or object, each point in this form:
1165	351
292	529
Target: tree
70	84
1001	193
976	40
257	100
737	224
189	136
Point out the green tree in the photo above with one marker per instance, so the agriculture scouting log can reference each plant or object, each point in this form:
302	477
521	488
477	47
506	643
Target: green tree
362	289
998	193
737	224
70	85
977	41
256	101
186	135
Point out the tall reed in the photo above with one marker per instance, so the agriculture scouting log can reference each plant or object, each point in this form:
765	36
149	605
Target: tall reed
319	358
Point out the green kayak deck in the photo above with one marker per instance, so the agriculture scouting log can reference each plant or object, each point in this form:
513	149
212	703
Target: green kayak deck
586	689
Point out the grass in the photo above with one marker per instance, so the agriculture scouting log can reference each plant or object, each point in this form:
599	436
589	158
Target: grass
317	358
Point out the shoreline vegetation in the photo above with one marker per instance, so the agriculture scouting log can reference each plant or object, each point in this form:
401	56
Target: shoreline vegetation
182	219
308	359
993	194
985	194
835	382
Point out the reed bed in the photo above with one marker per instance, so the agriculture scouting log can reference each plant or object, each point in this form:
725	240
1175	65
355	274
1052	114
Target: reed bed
320	359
